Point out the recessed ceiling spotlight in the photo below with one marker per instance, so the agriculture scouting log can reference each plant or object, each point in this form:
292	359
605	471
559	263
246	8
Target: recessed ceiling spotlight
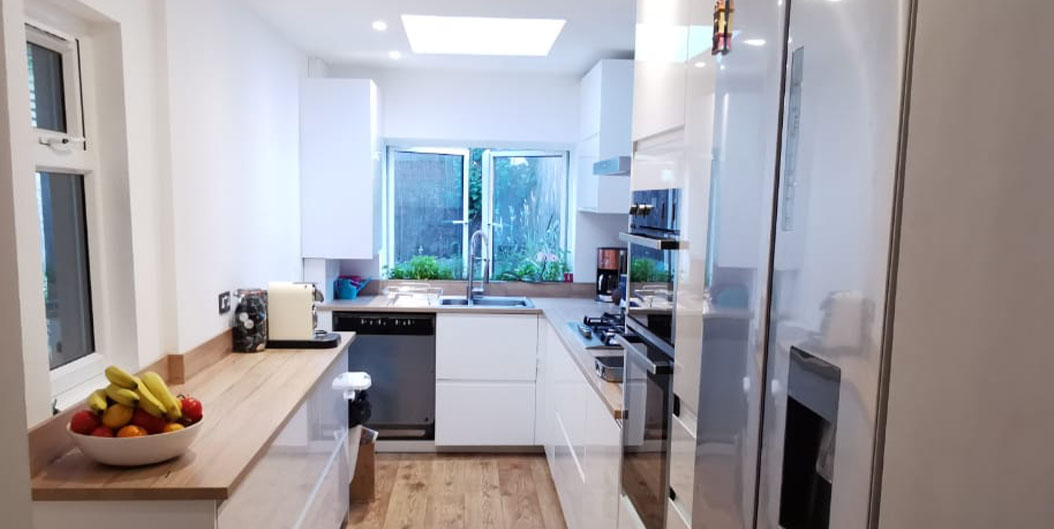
395	55
526	37
754	42
380	25
700	64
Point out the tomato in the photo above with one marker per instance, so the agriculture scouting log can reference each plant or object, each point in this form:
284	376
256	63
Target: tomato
102	431
192	409
84	421
148	422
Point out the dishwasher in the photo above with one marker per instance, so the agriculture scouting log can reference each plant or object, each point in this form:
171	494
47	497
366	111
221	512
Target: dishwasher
398	351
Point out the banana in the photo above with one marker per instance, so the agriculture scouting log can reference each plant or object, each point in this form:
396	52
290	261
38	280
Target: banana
157	386
121	378
97	401
122	395
149	403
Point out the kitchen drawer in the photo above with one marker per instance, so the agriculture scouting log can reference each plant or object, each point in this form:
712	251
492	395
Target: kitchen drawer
486	347
682	462
674	518
484	413
568	474
603	458
627	515
329	506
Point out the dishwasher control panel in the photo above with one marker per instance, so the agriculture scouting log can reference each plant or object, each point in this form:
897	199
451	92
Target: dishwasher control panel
368	323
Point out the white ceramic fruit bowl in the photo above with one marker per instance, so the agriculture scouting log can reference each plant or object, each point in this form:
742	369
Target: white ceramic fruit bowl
136	451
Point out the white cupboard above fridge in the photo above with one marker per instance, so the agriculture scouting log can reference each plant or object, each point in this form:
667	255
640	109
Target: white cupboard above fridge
661	51
606	118
341	157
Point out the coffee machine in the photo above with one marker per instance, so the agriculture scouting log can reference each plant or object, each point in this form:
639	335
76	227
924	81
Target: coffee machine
293	317
611	267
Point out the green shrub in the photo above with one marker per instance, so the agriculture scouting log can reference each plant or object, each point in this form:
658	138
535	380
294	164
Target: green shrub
420	267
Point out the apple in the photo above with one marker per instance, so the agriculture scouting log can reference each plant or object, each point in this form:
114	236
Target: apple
192	409
144	420
102	431
84	421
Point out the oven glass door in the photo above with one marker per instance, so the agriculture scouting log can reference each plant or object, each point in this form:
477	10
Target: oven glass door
651	286
647	398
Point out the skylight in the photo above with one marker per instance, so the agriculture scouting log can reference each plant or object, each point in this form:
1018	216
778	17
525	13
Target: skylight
528	37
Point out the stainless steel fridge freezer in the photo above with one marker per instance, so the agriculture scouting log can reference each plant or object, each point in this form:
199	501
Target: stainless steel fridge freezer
895	369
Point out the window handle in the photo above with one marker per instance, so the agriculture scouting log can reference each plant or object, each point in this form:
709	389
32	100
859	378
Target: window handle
459	222
61	143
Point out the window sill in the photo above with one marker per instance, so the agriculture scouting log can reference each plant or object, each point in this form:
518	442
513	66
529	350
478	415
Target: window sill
75	395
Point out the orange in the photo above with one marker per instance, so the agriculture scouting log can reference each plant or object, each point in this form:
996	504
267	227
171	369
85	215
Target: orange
172	427
117	416
131	431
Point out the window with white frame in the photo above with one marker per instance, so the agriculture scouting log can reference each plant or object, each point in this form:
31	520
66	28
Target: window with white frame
437	198
64	167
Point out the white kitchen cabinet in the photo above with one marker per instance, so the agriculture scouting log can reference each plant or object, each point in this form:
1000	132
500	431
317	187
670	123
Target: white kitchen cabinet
486	367
627	515
662	52
682	463
603	459
674	518
486	347
606	118
584	442
606	98
341	158
484	413
304	472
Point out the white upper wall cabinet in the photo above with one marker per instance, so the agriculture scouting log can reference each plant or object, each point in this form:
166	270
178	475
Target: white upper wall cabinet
341	158
605	125
662	51
607	106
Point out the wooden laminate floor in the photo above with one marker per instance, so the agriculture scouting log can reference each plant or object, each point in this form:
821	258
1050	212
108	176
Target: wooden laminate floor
469	491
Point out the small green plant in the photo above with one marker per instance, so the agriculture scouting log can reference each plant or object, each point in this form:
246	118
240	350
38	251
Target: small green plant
648	271
420	267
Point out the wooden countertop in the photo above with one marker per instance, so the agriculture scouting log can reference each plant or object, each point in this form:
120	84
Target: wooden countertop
248	398
559	311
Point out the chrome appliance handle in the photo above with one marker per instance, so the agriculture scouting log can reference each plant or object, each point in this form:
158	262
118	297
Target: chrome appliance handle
652	242
655	368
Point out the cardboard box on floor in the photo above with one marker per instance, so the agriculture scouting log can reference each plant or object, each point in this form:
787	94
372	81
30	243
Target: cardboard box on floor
362	480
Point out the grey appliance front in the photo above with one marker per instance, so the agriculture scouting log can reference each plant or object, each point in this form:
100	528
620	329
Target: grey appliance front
722	295
832	234
398	351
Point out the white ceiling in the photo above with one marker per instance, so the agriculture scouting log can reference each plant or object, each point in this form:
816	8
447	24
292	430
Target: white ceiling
339	32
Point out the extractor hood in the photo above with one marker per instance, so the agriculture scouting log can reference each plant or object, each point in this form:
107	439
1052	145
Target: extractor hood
617	166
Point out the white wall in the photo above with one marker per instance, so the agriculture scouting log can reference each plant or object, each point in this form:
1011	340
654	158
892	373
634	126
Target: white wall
501	109
14	456
234	100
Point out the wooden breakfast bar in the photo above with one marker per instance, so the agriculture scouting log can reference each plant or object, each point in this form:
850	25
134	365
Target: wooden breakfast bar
273	452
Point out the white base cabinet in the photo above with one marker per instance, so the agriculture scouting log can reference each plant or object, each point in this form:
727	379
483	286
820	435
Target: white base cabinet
486	367
484	413
582	440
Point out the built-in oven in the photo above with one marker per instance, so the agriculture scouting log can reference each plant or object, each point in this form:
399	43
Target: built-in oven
653	242
648	404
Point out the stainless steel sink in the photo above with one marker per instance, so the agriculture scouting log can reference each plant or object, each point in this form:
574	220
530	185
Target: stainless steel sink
487	301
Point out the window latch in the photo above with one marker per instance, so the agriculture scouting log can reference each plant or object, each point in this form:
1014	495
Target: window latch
61	143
